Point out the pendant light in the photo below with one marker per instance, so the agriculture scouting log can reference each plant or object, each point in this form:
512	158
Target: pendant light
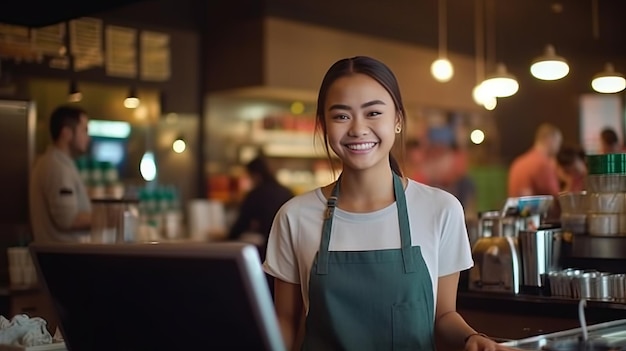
478	93
441	68
609	81
132	101
549	66
501	83
74	94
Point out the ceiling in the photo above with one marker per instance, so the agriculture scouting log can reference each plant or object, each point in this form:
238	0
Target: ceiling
520	27
517	30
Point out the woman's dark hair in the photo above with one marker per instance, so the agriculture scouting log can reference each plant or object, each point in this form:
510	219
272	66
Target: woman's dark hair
609	136
373	69
64	116
568	154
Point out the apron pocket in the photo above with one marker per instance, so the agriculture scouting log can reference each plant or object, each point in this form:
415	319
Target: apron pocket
411	328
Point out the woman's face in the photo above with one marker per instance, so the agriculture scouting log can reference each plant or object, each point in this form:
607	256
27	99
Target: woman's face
361	119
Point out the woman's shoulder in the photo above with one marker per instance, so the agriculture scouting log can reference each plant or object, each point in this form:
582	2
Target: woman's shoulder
430	195
309	200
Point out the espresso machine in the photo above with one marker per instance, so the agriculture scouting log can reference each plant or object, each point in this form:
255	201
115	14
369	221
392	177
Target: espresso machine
497	255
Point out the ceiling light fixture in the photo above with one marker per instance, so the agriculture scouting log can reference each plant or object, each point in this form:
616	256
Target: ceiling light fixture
608	81
442	68
478	93
132	101
74	93
549	66
501	83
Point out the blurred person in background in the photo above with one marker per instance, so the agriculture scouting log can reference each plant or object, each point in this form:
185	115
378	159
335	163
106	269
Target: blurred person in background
259	205
609	142
258	208
415	157
572	168
60	208
535	171
446	166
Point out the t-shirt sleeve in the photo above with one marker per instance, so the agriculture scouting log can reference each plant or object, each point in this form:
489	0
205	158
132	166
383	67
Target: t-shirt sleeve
455	254
280	258
61	197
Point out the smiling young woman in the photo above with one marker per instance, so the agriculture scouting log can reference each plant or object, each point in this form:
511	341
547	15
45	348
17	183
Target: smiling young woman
371	261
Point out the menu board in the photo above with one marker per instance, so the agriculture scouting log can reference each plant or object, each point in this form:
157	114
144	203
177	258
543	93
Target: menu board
87	43
15	43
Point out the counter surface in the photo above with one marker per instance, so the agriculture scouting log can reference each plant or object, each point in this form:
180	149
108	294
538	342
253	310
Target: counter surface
612	334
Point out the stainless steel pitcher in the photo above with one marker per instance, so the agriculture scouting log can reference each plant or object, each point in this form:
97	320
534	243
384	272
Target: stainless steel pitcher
540	253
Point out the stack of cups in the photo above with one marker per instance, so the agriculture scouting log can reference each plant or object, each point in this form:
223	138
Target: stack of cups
606	184
574	206
21	268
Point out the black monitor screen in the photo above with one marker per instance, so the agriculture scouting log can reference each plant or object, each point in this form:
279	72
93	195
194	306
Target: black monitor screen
112	302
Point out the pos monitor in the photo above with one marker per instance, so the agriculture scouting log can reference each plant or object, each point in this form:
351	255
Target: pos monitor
159	296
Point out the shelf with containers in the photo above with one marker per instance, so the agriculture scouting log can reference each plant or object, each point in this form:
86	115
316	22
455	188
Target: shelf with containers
100	178
240	127
594	227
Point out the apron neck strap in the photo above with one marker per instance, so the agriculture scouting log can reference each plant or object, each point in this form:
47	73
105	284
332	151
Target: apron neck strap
331	204
403	217
403	221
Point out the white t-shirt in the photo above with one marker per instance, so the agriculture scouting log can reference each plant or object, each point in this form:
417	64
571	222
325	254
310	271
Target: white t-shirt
437	225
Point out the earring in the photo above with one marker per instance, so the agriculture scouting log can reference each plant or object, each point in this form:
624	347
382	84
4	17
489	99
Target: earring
398	129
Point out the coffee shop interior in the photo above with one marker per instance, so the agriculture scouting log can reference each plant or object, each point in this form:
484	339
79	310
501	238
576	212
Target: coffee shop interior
181	94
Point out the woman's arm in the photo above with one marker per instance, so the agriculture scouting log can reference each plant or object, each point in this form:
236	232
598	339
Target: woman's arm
451	327
288	304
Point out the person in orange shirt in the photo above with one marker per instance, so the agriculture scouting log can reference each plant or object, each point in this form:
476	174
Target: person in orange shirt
535	172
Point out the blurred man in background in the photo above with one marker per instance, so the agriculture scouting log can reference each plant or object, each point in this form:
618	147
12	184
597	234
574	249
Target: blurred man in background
60	209
535	172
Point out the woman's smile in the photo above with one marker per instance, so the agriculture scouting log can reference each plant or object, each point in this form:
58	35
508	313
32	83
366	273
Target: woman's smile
361	147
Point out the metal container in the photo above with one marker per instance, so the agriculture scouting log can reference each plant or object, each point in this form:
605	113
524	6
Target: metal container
540	252
600	287
489	224
618	286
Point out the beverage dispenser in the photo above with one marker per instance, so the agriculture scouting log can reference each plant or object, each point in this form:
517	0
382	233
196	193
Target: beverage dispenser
497	256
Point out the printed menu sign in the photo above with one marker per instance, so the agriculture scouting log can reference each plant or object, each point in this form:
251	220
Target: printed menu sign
121	52
15	43
49	40
86	43
155	56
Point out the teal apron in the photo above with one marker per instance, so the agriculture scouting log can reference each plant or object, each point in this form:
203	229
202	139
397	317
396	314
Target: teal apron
370	300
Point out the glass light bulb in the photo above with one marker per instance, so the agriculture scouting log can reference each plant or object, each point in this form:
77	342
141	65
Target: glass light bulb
442	70
179	146
477	136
